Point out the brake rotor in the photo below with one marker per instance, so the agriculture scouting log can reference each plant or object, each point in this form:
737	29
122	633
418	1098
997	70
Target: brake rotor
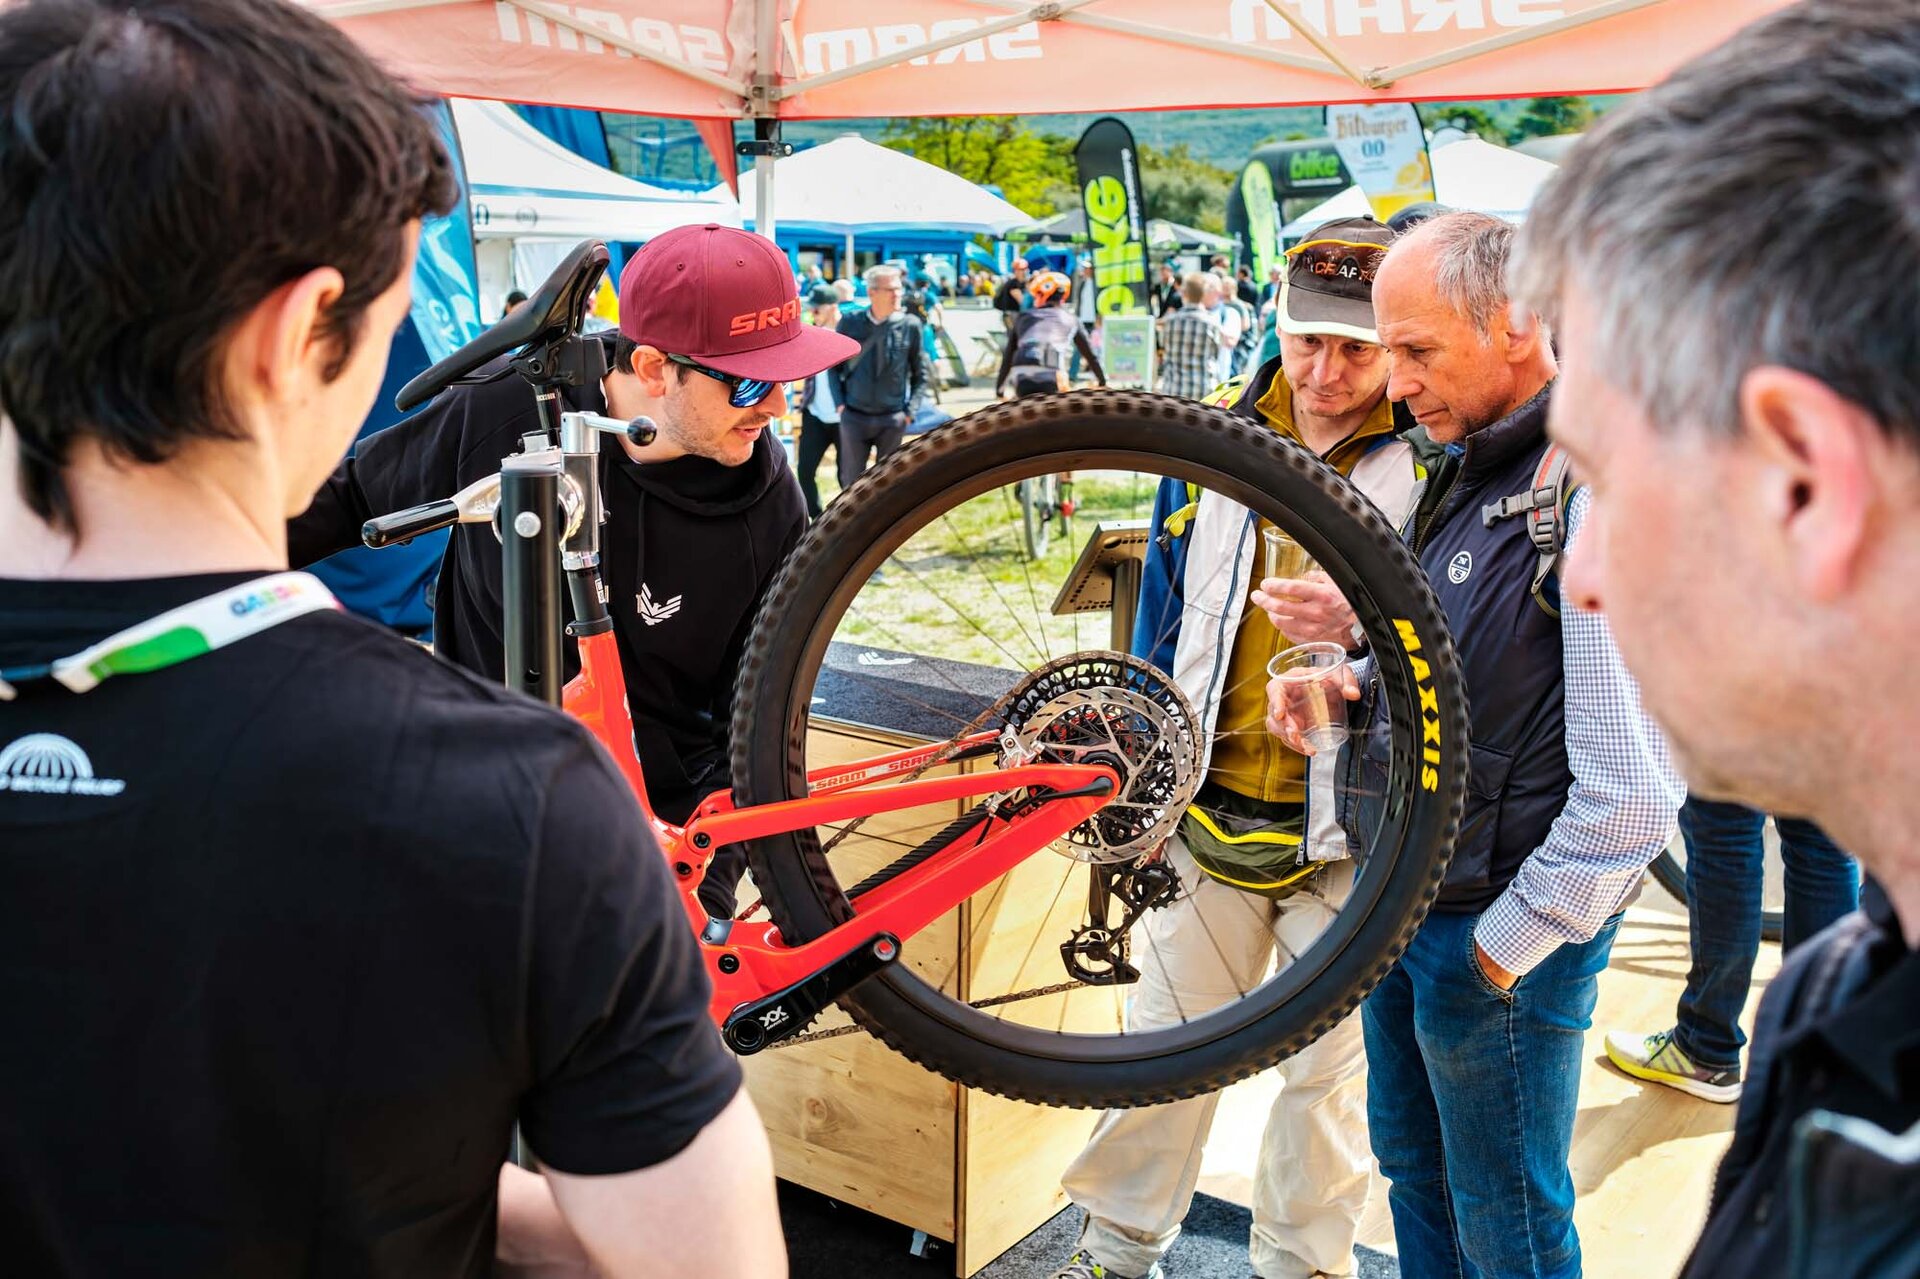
1113	709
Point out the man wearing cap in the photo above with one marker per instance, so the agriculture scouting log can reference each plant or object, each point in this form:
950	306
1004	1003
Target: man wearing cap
1250	870
697	523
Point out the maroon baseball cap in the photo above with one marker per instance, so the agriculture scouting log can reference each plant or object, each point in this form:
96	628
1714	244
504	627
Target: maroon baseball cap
725	298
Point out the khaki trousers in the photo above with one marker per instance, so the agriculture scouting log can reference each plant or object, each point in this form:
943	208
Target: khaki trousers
1136	1177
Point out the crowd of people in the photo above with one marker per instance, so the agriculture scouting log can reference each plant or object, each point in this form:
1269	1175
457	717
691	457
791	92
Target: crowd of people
294	944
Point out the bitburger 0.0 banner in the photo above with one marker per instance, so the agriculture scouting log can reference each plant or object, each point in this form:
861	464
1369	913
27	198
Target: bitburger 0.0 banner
1116	216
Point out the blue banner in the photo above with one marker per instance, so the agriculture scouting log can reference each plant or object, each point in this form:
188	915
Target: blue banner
395	586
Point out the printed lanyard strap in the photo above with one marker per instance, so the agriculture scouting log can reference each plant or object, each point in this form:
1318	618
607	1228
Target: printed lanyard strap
179	634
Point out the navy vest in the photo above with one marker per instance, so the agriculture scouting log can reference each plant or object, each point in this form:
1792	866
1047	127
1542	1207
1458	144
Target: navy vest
1510	653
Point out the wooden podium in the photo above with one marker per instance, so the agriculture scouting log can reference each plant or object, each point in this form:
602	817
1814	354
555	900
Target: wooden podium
855	1121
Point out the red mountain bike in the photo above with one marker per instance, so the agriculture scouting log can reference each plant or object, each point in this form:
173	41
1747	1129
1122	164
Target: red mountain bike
1044	774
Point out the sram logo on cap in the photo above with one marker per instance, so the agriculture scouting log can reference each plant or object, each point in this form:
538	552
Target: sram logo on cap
773	317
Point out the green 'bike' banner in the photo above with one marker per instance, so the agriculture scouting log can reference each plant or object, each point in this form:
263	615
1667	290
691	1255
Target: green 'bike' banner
1263	220
1109	169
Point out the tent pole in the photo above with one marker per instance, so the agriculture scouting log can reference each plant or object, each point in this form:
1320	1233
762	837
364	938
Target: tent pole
766	112
847	274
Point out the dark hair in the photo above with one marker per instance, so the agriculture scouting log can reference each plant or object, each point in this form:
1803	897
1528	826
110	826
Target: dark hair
164	166
515	298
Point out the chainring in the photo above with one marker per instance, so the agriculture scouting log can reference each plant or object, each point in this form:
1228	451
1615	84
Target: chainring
1114	709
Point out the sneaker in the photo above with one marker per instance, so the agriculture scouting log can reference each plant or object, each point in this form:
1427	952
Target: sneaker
1658	1059
1081	1265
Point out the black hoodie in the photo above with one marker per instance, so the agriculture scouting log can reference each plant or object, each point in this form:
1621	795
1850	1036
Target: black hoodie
688	549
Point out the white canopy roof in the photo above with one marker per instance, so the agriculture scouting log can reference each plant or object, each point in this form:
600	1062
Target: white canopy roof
850	185
1468	174
525	185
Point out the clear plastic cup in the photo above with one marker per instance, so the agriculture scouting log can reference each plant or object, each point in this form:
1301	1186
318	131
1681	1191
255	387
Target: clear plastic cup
1320	705
1285	558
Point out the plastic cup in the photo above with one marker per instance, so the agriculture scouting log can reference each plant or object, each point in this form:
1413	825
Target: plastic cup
1319	671
1285	557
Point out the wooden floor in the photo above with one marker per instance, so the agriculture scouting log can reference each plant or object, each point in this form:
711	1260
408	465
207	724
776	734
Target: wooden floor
1643	1155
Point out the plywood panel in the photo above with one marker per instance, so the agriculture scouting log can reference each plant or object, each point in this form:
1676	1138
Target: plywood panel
847	1116
861	1124
1012	1155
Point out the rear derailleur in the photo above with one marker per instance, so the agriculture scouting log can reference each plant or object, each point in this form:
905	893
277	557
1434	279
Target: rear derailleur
1096	954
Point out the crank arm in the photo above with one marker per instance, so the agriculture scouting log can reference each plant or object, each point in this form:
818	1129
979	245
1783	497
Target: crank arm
784	1014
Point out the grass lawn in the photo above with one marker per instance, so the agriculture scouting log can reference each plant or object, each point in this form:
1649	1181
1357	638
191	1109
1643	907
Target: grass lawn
964	588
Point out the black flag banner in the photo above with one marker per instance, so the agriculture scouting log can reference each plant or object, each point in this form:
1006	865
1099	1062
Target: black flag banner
1116	216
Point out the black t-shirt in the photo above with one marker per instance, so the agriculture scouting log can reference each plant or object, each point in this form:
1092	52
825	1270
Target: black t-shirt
687	552
274	1004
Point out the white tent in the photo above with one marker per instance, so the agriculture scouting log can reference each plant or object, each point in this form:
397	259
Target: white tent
527	185
1470	174
850	185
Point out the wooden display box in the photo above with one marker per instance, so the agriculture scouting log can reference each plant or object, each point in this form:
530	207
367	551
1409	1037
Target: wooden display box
855	1121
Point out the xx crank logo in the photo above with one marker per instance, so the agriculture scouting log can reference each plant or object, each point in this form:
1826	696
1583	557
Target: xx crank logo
653	614
1429	706
48	764
1460	568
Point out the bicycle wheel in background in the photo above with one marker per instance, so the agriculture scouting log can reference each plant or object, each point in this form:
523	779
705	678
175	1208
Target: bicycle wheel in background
1669	870
1037	504
1021	989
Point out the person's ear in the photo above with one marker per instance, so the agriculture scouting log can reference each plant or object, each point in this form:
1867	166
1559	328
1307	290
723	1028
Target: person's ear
280	343
650	365
1822	463
1517	331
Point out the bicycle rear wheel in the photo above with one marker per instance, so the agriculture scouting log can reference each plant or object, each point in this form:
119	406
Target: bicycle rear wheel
835	644
1036	513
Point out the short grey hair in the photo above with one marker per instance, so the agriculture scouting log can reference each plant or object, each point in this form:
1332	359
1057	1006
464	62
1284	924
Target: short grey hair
1469	265
1761	206
884	275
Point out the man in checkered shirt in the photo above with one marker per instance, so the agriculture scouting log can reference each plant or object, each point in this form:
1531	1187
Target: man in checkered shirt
1475	1037
1189	341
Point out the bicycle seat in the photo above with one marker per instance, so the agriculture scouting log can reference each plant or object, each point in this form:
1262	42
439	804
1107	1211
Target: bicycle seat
548	320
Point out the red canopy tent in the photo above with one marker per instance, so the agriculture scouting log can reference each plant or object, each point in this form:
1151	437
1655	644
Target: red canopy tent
768	60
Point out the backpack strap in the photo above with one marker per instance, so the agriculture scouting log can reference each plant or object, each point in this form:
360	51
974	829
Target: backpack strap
1176	523
1545	505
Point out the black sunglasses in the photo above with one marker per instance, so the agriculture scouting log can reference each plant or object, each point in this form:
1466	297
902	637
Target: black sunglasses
742	392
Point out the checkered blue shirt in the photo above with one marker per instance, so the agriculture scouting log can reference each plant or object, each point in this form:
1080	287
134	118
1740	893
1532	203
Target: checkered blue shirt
1620	810
1189	352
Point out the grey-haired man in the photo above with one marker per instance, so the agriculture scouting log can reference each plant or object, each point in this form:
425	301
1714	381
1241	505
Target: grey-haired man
1734	262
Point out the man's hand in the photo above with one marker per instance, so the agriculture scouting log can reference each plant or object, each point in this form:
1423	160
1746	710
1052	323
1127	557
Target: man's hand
1309	610
1494	972
1291	704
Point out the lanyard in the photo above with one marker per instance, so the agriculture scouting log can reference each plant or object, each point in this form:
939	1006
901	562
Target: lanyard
209	623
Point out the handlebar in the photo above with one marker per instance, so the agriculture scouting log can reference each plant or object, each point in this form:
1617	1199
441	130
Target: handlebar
404	526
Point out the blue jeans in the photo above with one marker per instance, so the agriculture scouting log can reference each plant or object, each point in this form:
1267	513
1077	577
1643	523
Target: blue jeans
1471	1095
1725	858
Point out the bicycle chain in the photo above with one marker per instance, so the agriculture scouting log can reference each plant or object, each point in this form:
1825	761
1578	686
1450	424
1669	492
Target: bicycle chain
996	1001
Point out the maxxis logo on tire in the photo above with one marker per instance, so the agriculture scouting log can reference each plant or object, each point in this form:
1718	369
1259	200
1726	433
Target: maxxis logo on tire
1429	705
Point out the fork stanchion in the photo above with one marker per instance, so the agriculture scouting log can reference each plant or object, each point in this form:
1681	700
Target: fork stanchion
529	525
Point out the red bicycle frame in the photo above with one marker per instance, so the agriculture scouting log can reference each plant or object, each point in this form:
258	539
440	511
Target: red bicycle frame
752	961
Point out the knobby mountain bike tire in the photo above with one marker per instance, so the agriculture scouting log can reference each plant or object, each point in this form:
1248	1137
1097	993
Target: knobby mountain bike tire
1084	432
1672	876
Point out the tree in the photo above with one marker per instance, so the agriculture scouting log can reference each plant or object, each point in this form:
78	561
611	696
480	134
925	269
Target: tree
991	150
1546	117
1183	188
1461	115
